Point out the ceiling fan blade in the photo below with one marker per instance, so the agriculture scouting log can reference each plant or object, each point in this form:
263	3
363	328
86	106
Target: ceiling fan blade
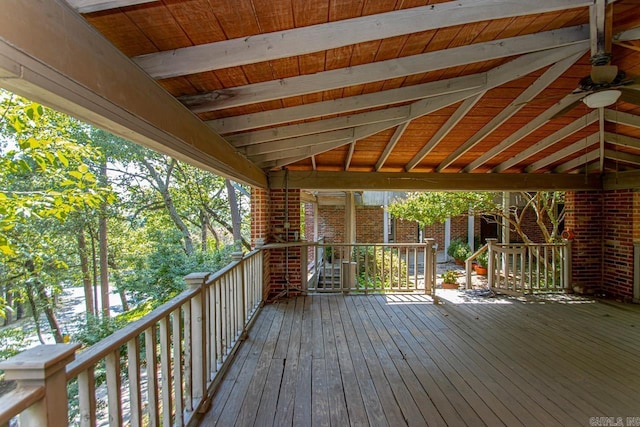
632	96
566	109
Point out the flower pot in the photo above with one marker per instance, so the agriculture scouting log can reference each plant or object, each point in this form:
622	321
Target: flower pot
481	270
450	286
458	262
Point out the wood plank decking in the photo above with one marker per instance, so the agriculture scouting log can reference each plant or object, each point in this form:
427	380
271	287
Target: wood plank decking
400	359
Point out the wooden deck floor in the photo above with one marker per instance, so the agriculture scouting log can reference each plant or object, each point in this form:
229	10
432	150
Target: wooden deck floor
397	360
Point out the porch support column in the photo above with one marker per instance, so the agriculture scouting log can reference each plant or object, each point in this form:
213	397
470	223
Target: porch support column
447	237
350	218
471	220
506	235
636	272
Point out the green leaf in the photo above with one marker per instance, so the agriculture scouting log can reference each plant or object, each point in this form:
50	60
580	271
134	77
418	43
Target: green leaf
83	168
75	174
63	159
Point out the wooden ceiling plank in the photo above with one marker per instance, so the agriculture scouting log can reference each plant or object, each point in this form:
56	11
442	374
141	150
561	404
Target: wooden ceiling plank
344	105
579	161
622	157
88	6
332	35
417	181
531	92
580	145
302	152
397	134
444	130
302	129
622	118
555	137
57	65
622	140
514	106
384	70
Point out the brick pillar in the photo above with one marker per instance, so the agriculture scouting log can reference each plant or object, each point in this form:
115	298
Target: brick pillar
285	263
584	218
260	232
618	227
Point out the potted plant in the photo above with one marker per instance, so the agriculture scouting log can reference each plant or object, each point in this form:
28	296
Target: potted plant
459	251
483	262
450	279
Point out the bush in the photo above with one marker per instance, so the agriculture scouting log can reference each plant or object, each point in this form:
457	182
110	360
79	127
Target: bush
483	259
459	249
450	276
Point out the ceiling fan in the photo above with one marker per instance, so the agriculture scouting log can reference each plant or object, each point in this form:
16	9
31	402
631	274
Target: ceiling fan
606	83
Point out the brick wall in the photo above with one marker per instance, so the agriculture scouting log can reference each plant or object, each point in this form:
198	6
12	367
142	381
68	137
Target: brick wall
369	224
331	223
406	231
617	230
260	229
584	218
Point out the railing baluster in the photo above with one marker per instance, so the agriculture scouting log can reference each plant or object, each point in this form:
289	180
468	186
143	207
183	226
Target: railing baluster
188	359
152	375
177	326
133	369
87	397
112	363
165	369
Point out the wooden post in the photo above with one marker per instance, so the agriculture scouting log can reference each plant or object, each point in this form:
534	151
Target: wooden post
43	366
199	343
429	263
567	276
239	258
491	265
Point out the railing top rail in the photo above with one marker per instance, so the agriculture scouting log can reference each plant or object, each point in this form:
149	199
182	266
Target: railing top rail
477	253
16	401
559	244
374	244
218	274
98	351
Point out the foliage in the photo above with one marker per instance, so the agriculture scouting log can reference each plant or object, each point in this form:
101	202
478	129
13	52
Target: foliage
435	207
483	259
459	250
379	267
450	276
429	208
12	342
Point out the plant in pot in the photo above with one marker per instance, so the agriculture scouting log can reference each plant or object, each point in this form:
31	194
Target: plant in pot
450	279
459	250
483	262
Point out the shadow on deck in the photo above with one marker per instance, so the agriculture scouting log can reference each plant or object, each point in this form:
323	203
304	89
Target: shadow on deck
401	359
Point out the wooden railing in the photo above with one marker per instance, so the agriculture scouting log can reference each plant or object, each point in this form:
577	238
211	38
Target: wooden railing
157	370
373	267
468	264
529	268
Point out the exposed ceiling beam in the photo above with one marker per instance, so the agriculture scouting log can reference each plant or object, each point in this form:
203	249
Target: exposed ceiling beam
397	134
621	180
580	145
296	154
301	129
622	118
57	65
509	111
557	136
619	156
628	35
416	181
88	6
347	162
341	135
444	130
383	70
578	161
345	105
538	86
331	35
622	140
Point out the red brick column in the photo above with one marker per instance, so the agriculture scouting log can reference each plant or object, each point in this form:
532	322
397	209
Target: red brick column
619	224
285	263
584	219
260	232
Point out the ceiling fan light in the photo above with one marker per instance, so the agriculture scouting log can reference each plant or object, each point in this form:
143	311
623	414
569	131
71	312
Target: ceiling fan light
603	74
602	99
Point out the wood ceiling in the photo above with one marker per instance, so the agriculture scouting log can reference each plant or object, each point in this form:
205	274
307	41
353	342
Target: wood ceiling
392	88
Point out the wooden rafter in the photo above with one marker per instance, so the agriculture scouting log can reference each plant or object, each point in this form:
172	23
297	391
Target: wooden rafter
384	70
622	118
619	156
548	141
582	160
514	106
580	145
622	140
397	134
88	6
444	130
331	35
